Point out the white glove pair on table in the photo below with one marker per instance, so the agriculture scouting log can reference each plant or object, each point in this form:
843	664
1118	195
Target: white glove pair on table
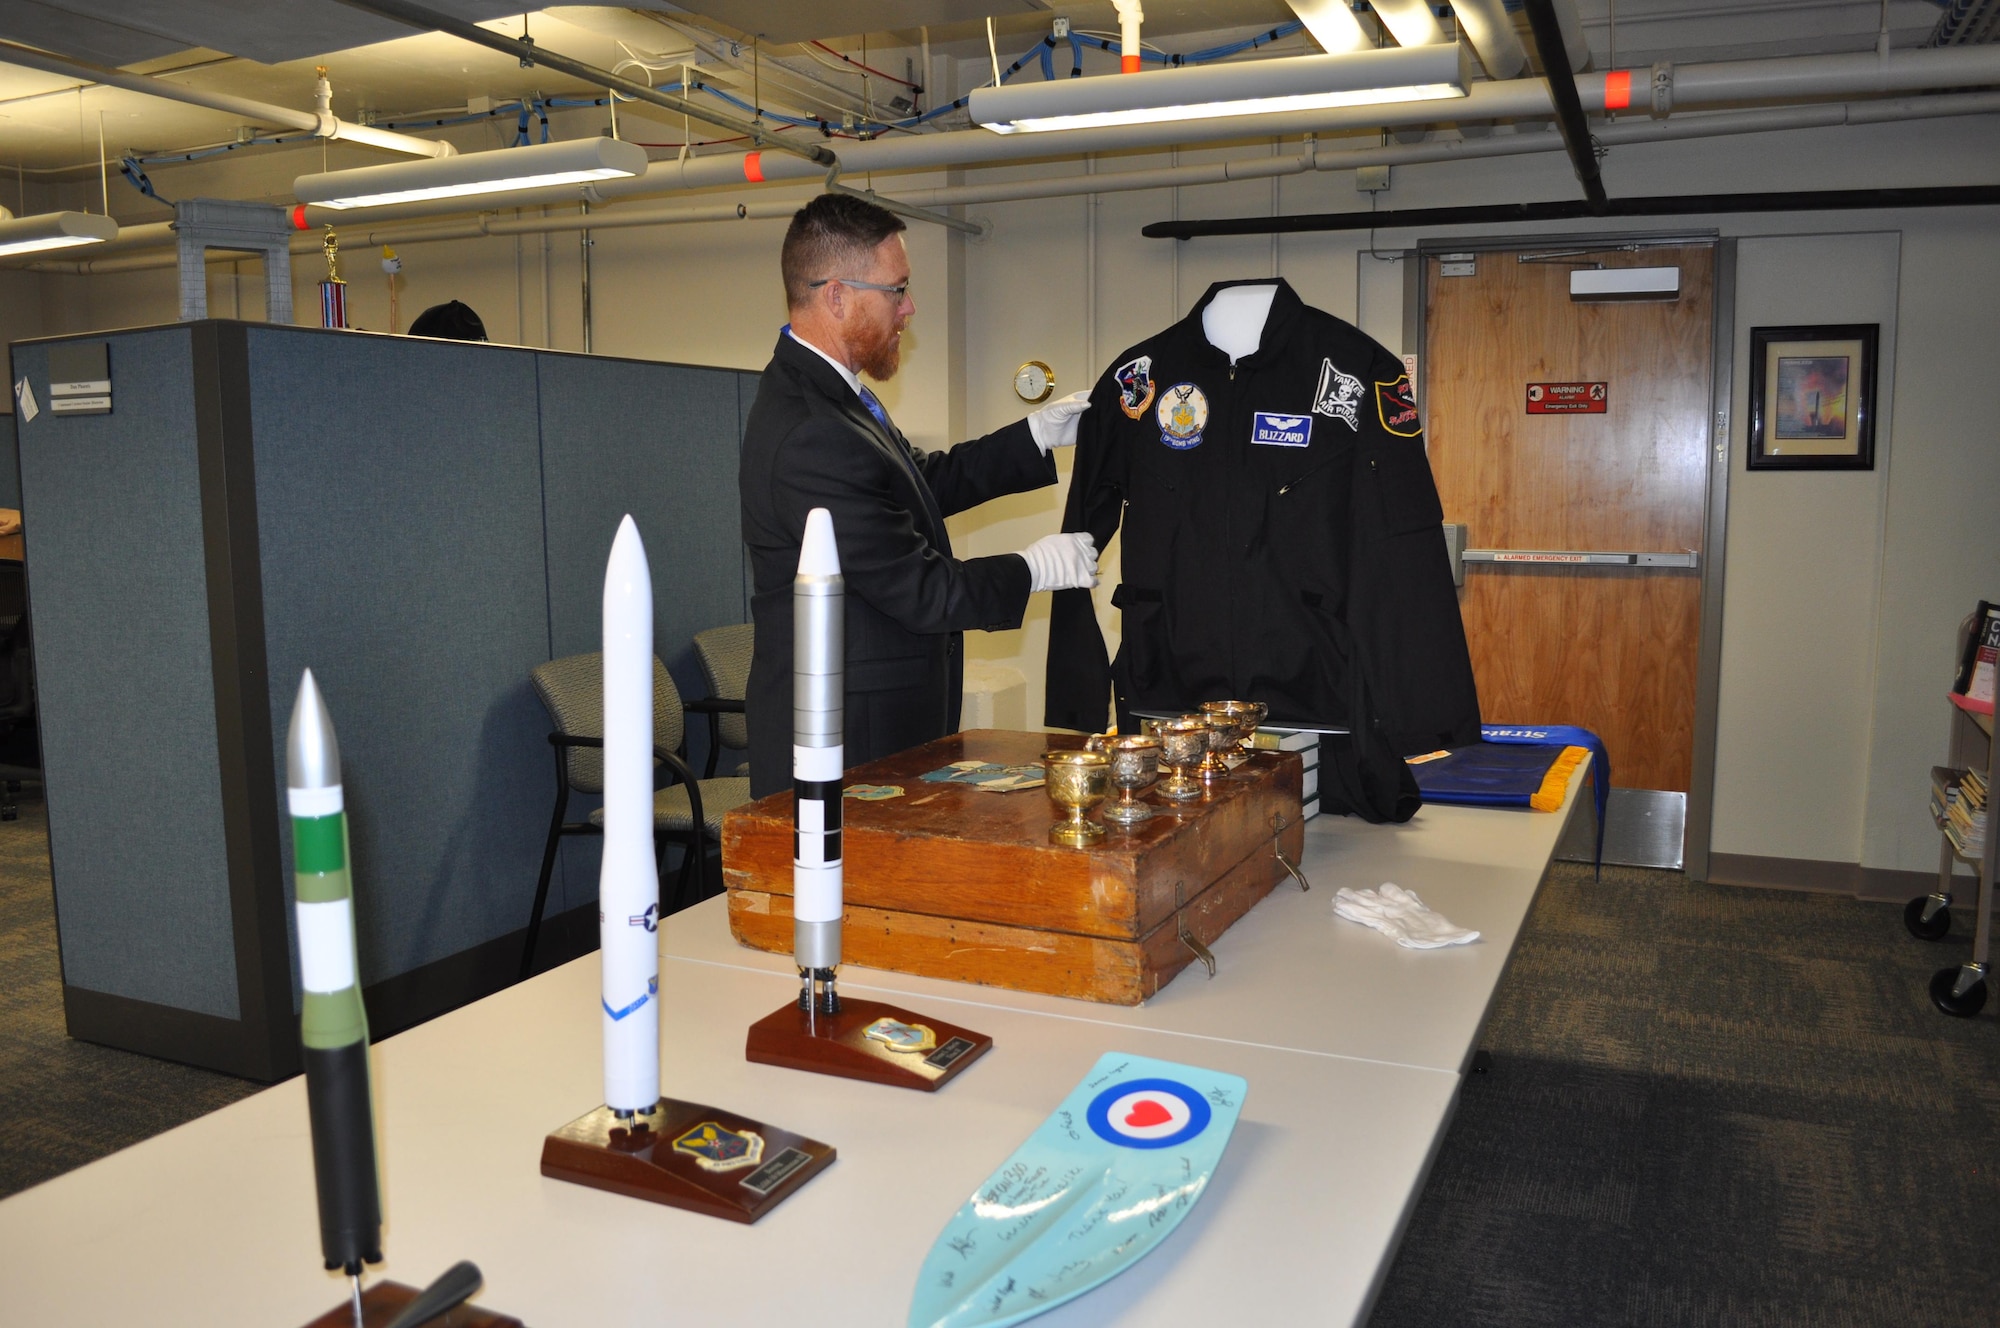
1060	562
1398	913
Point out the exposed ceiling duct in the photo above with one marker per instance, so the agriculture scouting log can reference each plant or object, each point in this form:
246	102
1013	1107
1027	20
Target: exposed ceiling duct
1490	29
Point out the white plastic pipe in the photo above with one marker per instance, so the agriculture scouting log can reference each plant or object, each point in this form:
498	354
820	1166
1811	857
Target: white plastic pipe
1129	49
323	124
1490	29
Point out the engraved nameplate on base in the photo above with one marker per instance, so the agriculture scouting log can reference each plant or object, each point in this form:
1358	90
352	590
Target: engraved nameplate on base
687	1155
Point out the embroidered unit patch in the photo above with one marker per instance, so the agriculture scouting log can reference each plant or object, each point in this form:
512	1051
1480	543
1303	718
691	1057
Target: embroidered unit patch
1338	396
1135	386
1183	414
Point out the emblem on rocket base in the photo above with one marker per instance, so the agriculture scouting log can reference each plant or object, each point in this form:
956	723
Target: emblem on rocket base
855	1039
819	653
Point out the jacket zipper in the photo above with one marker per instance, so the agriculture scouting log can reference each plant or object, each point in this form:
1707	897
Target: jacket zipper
1289	484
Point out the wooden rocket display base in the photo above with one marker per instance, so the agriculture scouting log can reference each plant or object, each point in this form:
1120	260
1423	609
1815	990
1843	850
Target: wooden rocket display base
689	1156
841	1044
382	1302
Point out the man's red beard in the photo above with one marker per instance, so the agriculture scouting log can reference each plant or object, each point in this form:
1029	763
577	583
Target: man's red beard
881	360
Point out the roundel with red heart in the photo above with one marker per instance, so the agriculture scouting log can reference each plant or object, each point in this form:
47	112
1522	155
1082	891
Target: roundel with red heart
1148	1113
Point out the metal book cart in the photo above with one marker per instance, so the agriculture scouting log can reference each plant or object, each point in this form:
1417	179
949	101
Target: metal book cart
1961	989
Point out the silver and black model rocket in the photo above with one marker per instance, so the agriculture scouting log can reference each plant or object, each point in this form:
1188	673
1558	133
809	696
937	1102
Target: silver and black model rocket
819	650
332	1024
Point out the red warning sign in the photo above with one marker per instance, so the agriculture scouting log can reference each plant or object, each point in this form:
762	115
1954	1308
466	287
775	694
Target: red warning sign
1568	398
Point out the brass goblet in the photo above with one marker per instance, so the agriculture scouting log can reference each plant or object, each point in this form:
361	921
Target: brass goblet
1182	744
1259	712
1229	722
1077	781
1135	763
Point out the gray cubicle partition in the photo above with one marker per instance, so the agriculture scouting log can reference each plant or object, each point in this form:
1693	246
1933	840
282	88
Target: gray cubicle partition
420	522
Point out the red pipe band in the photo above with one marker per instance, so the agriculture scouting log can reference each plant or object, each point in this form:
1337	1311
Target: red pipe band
1128	64
1617	89
753	167
299	217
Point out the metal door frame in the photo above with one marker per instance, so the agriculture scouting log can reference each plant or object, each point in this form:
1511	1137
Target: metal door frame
1715	513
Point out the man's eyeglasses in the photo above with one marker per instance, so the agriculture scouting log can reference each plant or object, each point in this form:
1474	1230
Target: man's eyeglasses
898	291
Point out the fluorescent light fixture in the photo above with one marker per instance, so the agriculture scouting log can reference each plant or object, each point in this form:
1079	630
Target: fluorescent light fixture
1625	283
501	170
54	230
1332	24
1246	87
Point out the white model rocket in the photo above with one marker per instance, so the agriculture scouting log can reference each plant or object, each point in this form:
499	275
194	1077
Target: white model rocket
628	885
819	651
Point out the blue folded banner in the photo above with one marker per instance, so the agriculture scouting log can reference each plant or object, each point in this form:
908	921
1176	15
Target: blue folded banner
1564	735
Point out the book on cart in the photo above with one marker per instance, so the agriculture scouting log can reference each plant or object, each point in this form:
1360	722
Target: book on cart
1973	689
1964	819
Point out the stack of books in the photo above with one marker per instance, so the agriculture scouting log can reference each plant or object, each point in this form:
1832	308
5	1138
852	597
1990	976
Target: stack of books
1958	801
1306	743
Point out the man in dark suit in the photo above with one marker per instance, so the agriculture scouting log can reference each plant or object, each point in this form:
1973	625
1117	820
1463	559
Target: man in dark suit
817	437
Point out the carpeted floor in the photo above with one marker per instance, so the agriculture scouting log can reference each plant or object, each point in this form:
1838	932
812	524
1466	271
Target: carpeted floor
62	1102
1706	1107
1710	1106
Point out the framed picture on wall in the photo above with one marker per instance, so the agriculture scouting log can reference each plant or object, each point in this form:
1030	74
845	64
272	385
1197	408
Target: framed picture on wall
1812	397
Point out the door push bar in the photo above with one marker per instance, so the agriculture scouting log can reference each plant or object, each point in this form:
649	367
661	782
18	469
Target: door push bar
1685	558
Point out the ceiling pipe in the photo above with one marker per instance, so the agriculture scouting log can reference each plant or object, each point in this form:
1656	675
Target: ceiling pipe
1575	47
1799	77
524	48
1490	29
1569	105
323	124
1634	131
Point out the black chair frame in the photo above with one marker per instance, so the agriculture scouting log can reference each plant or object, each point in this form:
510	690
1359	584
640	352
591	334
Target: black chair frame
714	706
695	841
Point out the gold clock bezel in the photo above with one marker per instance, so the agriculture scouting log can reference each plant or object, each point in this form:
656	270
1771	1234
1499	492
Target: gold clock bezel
1048	389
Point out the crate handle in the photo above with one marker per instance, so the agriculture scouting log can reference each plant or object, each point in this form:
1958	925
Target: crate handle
1278	827
1188	938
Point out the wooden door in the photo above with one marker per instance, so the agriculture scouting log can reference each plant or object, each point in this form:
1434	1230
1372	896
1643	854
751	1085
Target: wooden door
1611	648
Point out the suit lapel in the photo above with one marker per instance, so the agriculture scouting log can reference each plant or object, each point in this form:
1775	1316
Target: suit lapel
888	440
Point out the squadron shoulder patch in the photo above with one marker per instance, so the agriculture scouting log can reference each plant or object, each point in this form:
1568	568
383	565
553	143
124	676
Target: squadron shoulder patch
1396	406
1135	386
1183	414
1338	396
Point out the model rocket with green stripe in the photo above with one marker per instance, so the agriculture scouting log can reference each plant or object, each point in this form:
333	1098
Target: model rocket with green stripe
332	1023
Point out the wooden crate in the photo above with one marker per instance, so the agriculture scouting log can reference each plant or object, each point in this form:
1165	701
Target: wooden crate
951	882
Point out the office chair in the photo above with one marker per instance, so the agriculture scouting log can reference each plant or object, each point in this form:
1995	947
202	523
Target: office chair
724	653
687	811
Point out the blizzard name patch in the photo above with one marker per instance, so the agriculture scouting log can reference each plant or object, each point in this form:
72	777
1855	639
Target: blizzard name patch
1281	430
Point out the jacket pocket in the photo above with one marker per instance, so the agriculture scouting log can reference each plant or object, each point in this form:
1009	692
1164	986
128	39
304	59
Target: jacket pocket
1405	492
1146	649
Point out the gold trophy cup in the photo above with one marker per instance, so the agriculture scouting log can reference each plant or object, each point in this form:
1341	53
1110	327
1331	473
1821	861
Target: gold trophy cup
1077	781
1182	744
1229	723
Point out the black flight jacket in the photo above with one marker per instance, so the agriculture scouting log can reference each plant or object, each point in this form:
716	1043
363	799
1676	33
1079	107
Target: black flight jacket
1281	531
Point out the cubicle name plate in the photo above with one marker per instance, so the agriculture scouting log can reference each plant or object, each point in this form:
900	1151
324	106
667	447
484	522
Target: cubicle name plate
687	1155
80	378
382	1302
882	1044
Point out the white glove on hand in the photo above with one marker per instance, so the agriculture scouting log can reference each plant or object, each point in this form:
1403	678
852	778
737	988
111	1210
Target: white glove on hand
1055	424
1062	562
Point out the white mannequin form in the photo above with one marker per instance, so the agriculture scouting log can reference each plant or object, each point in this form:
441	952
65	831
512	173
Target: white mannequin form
1234	319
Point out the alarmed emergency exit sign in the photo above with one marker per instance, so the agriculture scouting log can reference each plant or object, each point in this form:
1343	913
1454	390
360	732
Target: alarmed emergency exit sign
1568	398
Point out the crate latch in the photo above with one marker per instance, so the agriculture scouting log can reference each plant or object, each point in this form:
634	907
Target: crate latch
1188	938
